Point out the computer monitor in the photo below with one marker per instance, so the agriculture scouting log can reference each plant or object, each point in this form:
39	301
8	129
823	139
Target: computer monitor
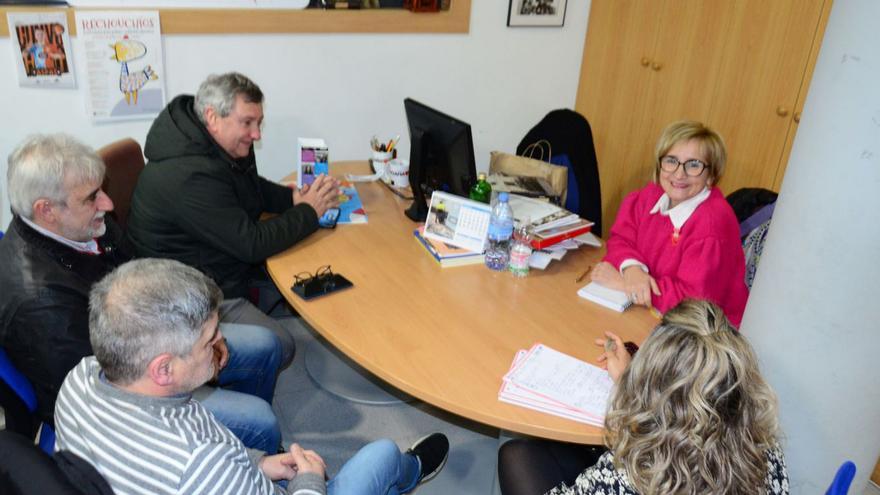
441	157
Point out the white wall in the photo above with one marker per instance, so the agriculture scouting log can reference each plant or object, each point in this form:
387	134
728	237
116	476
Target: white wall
812	315
344	88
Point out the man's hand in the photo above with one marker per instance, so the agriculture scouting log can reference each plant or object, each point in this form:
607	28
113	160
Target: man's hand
288	465
221	357
639	285
616	358
321	194
606	275
278	467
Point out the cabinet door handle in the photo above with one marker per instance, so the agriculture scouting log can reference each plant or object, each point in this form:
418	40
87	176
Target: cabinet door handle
656	66
797	117
781	111
645	61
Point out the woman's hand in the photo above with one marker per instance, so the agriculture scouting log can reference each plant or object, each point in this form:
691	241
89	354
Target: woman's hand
639	285
615	359
606	275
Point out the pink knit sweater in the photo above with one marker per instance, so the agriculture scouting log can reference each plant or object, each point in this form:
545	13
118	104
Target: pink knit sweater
705	261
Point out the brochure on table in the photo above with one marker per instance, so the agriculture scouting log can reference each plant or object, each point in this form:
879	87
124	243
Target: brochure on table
351	210
458	221
312	160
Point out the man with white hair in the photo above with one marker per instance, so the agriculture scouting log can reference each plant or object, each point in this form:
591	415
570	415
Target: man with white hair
58	244
129	412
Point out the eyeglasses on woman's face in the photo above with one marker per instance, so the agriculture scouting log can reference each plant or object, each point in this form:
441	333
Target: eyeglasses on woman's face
692	168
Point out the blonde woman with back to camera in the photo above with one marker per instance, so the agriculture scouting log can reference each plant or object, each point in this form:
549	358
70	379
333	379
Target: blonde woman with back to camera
690	414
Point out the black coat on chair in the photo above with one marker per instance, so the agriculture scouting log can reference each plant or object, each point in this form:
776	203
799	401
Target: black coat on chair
569	134
25	470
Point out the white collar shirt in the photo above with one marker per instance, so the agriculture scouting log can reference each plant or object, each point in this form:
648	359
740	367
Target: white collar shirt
90	247
681	212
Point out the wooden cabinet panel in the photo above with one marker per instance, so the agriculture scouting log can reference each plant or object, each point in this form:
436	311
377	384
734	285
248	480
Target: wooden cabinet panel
614	87
762	75
729	63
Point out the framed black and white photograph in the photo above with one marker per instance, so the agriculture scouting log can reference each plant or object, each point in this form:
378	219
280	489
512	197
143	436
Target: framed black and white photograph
548	13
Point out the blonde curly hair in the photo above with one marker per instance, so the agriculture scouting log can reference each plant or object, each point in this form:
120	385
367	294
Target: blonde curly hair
692	414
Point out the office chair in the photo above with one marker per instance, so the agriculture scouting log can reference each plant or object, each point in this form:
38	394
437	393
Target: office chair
25	470
124	160
19	403
842	480
754	209
571	145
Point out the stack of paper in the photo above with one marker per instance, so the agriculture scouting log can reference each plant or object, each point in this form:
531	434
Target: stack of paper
547	380
610	298
541	258
543	215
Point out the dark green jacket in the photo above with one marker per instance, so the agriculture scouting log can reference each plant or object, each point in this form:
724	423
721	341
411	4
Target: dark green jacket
196	204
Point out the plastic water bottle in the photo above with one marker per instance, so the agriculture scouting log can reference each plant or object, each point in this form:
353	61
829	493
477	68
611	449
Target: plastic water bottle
521	250
500	231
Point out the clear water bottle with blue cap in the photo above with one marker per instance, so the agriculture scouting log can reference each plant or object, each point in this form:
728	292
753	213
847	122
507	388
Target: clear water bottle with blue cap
500	232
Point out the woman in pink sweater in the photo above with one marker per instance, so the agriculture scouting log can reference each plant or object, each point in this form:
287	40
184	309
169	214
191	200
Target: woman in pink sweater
678	237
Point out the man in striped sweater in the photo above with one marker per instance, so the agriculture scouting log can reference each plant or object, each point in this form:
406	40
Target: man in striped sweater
128	410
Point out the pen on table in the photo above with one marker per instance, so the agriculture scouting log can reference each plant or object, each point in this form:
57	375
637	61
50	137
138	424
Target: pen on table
583	275
610	345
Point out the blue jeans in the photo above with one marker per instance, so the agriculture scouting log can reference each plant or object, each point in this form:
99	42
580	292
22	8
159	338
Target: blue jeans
254	357
379	468
239	310
248	381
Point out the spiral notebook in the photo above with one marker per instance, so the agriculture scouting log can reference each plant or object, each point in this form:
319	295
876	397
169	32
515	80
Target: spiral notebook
610	298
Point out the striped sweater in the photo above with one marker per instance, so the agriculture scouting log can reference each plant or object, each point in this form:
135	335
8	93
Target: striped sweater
158	445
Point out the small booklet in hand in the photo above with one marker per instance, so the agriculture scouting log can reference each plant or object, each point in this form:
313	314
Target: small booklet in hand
610	298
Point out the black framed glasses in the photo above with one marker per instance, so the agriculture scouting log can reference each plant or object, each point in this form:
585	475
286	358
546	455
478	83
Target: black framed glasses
322	276
311	285
692	168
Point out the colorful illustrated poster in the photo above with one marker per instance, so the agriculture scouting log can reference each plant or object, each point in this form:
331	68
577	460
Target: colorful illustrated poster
123	57
43	51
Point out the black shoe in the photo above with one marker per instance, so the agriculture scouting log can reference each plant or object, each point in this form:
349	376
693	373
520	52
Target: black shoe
432	451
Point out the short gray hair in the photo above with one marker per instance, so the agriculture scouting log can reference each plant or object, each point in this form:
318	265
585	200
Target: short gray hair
220	91
48	166
145	308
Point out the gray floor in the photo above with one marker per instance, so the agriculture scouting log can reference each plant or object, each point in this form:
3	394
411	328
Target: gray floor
336	427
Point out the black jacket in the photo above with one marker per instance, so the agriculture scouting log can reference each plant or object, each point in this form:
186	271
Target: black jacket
196	204
44	304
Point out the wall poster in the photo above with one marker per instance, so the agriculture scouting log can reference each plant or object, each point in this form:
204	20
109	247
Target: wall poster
42	53
123	58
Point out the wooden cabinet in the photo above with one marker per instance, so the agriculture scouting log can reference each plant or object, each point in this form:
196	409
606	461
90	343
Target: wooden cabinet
875	477
741	66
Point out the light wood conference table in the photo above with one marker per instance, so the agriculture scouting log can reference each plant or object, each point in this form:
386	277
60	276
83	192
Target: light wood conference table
447	335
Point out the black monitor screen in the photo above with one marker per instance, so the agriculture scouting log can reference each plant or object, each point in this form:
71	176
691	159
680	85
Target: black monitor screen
441	157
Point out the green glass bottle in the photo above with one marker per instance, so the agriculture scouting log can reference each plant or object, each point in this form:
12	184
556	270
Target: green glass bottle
482	190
